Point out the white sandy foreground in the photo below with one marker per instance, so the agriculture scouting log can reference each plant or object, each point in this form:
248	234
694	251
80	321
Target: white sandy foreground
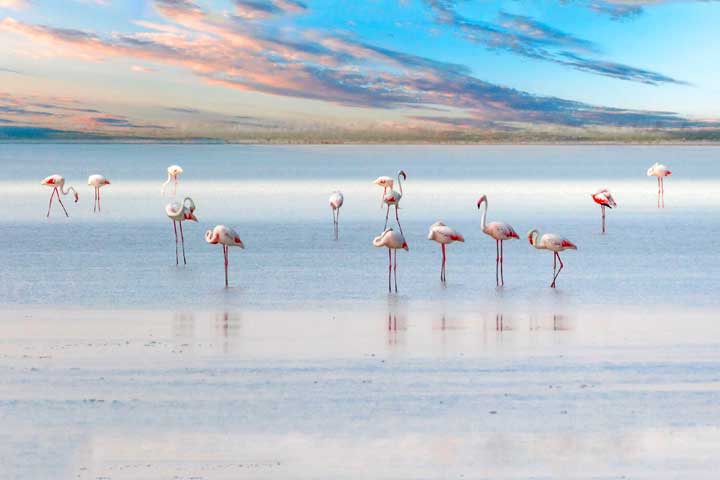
351	394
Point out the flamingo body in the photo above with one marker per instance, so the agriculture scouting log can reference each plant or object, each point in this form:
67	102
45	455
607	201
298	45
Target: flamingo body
227	237
57	182
393	199
336	201
180	212
393	241
499	231
660	171
444	235
554	243
97	182
174	172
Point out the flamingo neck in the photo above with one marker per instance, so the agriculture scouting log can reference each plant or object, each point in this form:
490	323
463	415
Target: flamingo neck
166	182
65	192
483	219
400	184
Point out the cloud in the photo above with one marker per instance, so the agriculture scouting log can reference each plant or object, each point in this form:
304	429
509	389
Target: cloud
10	70
525	36
252	9
183	110
142	69
14	4
619	9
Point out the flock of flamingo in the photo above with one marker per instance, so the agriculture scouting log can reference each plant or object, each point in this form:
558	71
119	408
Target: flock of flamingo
391	239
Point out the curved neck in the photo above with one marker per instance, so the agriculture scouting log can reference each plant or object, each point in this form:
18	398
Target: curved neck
483	220
534	237
162	190
400	184
65	192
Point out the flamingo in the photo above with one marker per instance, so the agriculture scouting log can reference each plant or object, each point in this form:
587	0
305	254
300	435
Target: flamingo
385	182
603	198
228	238
336	201
500	231
554	243
393	241
174	172
58	184
393	198
178	213
97	181
660	171
444	235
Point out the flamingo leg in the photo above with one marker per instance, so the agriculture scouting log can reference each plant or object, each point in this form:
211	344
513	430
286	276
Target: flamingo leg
52	194
602	209
98	190
225	253
659	191
389	269
182	240
337	224
387	214
662	188
61	203
502	277
395	270
554	263
397	218
177	262
442	269
497	262
559	270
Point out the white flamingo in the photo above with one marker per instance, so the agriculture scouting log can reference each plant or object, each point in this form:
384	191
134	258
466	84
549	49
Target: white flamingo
174	172
178	213
227	237
57	182
604	198
97	182
385	182
554	243
393	241
660	171
393	198
444	235
336	201
499	231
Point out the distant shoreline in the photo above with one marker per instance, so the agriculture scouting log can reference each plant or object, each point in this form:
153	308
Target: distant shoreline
363	143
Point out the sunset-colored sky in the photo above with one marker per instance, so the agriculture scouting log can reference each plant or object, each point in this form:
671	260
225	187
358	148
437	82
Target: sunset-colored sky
219	68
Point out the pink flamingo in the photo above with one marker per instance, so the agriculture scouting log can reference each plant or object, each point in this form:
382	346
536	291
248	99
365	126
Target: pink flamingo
174	172
500	231
227	237
444	235
385	182
660	171
178	213
554	243
393	241
97	182
57	182
393	198
603	198
336	201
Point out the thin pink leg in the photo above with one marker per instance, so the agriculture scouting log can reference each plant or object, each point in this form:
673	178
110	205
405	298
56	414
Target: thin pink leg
659	191
98	190
442	268
662	187
177	262
182	240
337	224
225	253
497	262
559	270
52	194
602	209
61	203
395	270
502	277
389	269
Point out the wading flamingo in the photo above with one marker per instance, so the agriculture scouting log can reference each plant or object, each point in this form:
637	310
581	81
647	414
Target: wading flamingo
178	213
393	241
385	182
660	171
444	235
174	172
57	182
97	181
603	198
227	237
500	231
393	198
554	243
336	201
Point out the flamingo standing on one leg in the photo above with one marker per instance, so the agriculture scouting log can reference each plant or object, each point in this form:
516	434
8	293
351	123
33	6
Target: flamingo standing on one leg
500	231
174	172
393	241
444	235
178	213
393	198
385	182
57	182
227	237
97	182
660	171
554	243
336	201
603	198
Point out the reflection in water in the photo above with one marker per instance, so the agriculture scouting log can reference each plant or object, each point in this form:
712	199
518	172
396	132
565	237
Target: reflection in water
228	326
183	325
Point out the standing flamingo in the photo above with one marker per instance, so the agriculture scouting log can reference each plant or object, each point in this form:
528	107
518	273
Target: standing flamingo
97	181
174	172
393	198
603	198
336	201
500	231
393	241
227	237
660	171
554	243
58	184
444	235
385	182
178	213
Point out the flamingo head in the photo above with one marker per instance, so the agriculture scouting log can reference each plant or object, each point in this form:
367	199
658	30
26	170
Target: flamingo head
404	175
211	237
239	243
191	216
106	182
668	173
532	235
77	197
483	198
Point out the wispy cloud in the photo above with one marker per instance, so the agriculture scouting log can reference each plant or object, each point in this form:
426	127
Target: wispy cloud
252	9
14	4
619	9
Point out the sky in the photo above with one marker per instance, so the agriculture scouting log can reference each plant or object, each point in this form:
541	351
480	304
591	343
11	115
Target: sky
223	68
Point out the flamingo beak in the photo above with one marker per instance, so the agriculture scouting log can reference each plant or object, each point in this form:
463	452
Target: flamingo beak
106	182
193	217
405	246
76	197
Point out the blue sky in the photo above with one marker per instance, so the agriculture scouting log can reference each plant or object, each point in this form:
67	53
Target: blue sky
219	67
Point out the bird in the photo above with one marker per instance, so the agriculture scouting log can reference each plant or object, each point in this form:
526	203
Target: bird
336	201
554	243
57	182
174	172
97	181
227	237
444	235
178	213
604	198
385	182
393	198
500	231
660	171
393	241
